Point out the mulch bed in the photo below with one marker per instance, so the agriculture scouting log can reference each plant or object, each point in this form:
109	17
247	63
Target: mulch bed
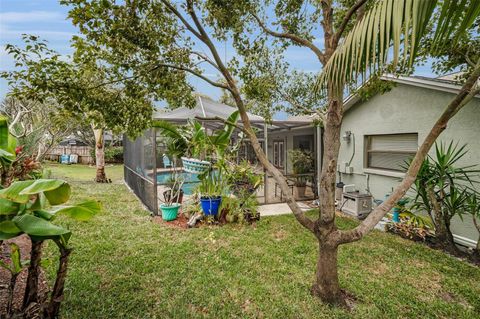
180	222
24	244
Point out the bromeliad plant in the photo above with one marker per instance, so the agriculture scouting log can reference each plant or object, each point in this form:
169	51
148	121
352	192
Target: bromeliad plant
31	207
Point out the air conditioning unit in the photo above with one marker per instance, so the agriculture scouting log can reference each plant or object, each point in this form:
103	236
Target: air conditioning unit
357	204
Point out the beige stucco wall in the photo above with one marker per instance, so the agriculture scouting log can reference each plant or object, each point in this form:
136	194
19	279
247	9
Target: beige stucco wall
407	109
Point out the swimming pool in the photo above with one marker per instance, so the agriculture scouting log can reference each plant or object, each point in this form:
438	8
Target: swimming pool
191	180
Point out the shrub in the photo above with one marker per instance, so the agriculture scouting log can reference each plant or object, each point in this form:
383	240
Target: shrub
114	154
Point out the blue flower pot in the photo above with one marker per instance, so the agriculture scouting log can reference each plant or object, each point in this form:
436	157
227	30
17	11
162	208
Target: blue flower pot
210	205
396	215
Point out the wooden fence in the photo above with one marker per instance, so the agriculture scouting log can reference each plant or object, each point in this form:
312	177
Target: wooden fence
83	152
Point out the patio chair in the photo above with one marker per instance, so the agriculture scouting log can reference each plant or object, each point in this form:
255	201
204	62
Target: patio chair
166	161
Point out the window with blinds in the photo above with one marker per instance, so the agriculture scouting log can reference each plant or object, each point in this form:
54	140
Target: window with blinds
390	151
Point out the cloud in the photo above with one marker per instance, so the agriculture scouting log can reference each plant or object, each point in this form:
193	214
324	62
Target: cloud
9	34
30	16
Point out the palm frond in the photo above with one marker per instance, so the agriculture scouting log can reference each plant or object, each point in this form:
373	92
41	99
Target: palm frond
388	28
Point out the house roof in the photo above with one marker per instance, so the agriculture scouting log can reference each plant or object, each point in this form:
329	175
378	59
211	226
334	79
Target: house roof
445	84
206	108
209	111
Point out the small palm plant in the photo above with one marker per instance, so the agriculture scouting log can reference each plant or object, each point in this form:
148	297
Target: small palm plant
442	188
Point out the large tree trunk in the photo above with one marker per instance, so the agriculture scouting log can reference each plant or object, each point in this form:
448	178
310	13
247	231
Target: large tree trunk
56	297
327	286
100	177
31	289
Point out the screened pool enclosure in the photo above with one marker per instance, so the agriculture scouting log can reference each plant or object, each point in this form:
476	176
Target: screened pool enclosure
148	166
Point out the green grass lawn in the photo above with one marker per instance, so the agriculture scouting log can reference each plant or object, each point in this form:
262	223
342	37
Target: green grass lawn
125	266
84	173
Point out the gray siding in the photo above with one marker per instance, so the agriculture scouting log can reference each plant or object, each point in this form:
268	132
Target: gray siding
407	109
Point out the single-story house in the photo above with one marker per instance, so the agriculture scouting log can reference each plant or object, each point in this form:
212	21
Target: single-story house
384	131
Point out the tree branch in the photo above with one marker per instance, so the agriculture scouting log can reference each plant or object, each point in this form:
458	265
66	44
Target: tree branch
199	75
292	101
346	19
295	38
165	65
181	18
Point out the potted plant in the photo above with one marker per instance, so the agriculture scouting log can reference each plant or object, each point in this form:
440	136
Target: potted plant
174	184
243	179
398	209
211	188
171	205
302	163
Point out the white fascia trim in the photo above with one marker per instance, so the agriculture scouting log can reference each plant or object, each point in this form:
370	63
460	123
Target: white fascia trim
434	85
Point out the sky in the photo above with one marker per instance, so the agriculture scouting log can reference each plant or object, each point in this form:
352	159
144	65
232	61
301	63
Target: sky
48	19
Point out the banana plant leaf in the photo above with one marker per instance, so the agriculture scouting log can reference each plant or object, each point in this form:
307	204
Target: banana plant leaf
44	214
12	192
39	203
8	207
82	212
59	195
38	228
8	229
43	185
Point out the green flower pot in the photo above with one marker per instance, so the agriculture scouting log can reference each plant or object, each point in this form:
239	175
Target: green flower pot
169	212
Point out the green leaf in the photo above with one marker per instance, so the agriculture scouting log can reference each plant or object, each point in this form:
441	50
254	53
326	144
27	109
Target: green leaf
6	157
39	203
397	20
59	195
44	214
8	230
43	185
3	133
81	212
38	227
8	207
13	192
15	258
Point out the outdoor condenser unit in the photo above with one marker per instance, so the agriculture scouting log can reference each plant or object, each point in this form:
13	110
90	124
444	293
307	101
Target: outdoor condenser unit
357	204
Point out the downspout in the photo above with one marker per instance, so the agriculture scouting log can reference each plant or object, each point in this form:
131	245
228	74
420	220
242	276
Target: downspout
353	153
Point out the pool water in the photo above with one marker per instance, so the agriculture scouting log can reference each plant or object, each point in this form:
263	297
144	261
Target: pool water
191	180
